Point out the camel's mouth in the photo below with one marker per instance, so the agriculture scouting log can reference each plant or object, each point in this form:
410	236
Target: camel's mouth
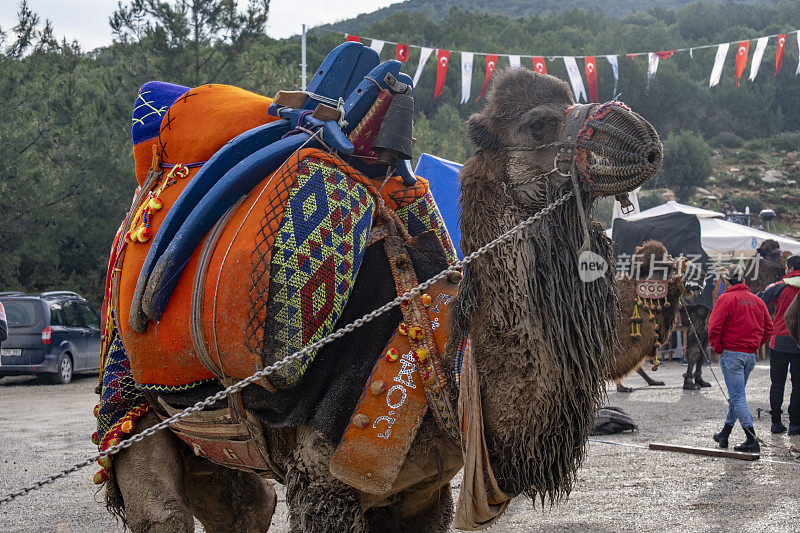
617	150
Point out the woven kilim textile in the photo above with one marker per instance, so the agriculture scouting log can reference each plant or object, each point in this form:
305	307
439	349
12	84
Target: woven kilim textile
315	260
423	215
119	394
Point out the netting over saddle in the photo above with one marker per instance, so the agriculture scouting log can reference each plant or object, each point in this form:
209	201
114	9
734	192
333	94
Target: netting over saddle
314	262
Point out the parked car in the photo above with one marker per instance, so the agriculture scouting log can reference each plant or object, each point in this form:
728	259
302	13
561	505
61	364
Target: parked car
53	333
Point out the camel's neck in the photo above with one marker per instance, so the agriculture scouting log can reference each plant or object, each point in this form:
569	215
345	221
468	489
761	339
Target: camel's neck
541	340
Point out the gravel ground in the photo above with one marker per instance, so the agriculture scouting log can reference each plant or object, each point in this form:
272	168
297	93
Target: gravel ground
44	428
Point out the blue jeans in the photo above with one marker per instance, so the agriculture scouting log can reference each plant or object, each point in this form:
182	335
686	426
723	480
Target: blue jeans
736	368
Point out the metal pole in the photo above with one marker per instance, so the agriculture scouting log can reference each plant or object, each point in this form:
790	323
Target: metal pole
303	59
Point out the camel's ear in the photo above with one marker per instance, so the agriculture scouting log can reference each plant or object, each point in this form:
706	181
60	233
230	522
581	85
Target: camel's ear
481	134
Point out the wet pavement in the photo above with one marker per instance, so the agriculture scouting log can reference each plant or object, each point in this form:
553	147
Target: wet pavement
44	428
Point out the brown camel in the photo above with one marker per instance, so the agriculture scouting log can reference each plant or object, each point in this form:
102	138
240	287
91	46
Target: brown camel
636	344
541	342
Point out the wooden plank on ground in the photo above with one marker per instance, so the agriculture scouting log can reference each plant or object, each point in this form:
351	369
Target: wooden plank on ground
713	452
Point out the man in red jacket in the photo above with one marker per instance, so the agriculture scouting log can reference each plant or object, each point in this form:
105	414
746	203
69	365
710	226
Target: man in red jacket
738	325
784	353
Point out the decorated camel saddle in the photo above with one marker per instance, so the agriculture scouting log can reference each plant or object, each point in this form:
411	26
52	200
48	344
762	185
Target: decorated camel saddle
258	227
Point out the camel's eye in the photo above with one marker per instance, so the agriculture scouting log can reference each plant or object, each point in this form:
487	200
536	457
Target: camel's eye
538	126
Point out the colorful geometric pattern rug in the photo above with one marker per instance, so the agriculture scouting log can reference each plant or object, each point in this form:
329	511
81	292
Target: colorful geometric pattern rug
315	259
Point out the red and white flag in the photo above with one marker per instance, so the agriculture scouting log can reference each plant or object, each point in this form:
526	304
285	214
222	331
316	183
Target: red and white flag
761	45
402	52
442	58
666	54
424	54
741	60
719	62
353	38
491	64
575	78
779	53
538	65
466	75
591	77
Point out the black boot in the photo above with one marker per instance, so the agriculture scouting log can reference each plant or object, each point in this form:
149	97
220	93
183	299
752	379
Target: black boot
688	382
794	429
777	425
751	444
698	379
722	436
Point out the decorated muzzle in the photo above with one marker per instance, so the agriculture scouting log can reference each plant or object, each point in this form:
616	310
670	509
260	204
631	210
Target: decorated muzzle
614	150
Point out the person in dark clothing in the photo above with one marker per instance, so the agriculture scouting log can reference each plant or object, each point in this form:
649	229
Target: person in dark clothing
3	324
737	327
784	356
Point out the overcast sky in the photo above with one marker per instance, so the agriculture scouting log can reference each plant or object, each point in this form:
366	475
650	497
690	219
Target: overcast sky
87	20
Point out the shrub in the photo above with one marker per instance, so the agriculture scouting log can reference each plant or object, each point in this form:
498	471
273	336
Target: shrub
727	139
687	163
756	145
755	204
788	140
750	155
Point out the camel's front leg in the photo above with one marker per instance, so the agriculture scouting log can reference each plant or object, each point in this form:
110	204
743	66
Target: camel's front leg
318	502
650	381
226	500
150	477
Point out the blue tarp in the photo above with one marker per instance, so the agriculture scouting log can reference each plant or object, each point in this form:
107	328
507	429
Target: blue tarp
443	178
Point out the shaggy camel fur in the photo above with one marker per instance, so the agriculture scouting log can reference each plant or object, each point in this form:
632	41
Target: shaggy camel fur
541	343
631	353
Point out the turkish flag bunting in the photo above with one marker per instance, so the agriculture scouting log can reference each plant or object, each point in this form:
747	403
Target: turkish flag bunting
402	52
632	56
741	59
354	38
538	65
491	63
442	57
666	54
779	53
591	77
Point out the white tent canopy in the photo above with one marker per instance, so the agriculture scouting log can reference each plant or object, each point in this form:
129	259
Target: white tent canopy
674	207
719	237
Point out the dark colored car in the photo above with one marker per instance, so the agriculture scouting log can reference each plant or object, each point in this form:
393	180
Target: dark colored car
55	333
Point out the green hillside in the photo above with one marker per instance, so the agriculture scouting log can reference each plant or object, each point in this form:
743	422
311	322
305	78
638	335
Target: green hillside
438	9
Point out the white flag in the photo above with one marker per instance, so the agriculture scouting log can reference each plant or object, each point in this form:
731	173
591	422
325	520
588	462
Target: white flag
514	61
797	72
424	54
615	67
652	66
466	76
377	45
575	79
761	45
719	62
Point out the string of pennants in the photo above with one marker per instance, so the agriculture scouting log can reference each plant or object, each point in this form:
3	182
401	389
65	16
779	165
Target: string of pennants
589	63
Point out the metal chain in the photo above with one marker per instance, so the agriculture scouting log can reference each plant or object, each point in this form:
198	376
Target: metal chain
266	371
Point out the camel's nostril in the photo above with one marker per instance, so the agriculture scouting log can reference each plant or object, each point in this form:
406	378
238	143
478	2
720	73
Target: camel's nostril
652	157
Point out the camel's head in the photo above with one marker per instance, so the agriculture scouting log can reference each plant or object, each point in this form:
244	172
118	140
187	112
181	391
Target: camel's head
532	122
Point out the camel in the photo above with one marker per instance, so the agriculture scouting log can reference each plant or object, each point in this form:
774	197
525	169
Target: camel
644	336
764	269
541	344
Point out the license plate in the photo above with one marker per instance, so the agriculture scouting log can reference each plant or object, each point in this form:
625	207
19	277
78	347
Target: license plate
11	352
